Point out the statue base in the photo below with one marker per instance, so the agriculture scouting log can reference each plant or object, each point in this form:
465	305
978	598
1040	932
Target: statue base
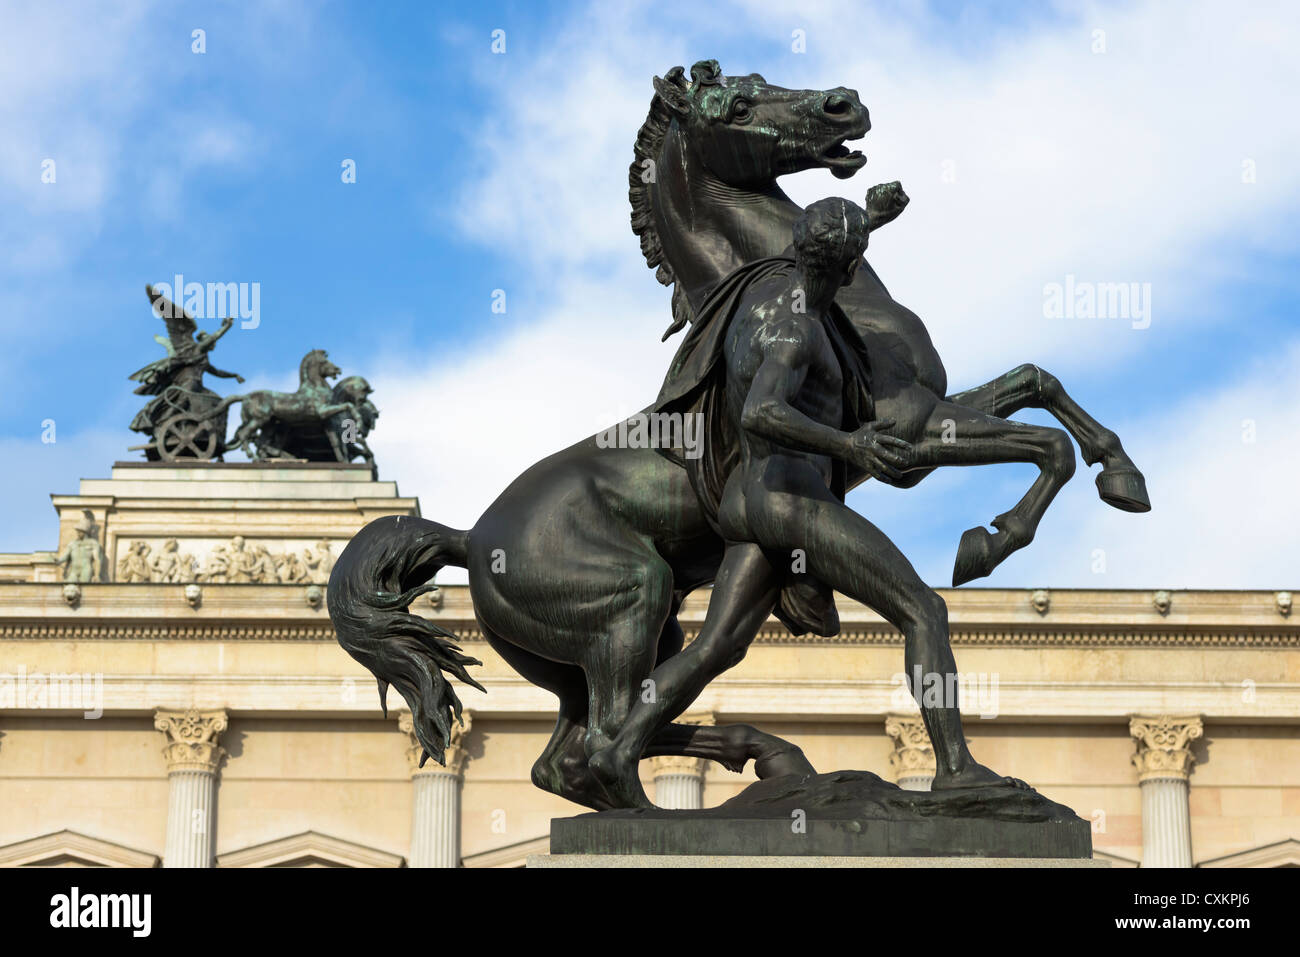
764	861
844	814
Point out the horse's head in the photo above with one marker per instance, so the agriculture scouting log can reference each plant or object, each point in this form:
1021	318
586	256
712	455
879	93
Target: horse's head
740	132
316	367
352	389
748	132
357	390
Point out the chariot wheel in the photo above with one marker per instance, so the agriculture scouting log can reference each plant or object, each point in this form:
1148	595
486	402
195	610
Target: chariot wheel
184	437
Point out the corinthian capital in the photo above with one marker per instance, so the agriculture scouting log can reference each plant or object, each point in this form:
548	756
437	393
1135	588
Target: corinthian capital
191	739
1164	745
680	764
456	754
913	755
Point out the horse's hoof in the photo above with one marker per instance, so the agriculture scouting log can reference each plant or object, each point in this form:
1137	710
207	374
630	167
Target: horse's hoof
784	763
620	783
1123	488
974	556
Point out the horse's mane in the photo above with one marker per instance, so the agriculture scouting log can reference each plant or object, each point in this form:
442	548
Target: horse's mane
649	141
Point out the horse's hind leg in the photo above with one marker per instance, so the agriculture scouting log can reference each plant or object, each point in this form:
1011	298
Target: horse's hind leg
729	745
747	589
955	435
562	766
1027	386
618	665
248	425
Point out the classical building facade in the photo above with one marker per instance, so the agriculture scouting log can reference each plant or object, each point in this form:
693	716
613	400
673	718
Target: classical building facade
190	707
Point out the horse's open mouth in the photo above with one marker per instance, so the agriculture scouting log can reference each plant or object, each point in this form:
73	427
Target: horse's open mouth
842	161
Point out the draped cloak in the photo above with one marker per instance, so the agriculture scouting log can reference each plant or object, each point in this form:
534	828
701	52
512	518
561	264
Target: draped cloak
696	383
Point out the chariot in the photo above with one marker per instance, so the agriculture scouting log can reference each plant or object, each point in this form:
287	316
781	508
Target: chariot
183	425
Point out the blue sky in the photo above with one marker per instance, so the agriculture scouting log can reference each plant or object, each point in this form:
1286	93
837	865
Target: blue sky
1030	155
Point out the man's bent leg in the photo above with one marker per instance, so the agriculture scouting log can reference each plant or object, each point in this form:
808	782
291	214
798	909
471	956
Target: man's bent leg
744	594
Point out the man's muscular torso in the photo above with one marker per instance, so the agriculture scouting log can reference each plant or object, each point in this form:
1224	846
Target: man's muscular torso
767	334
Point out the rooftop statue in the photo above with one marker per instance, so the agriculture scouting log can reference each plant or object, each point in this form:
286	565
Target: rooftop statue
792	418
175	420
83	558
319	422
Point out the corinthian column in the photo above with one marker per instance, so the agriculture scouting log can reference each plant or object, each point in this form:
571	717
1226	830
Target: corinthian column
912	759
192	755
1164	763
435	798
679	781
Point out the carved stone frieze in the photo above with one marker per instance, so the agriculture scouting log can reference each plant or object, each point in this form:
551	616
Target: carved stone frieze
236	561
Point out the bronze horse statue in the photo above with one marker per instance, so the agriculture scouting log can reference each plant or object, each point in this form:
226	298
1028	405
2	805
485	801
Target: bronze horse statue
270	420
578	569
340	436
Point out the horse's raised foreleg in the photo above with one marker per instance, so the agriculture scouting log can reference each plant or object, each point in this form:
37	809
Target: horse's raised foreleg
1027	386
956	435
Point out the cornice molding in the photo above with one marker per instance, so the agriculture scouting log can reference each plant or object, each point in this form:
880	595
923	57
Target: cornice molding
88	628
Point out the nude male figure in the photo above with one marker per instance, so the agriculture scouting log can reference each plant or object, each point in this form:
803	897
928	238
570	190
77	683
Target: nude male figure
795	402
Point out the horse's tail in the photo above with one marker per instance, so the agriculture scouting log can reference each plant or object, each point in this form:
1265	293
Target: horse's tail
386	565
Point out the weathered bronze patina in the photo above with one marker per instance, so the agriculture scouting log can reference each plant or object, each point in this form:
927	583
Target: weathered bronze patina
578	569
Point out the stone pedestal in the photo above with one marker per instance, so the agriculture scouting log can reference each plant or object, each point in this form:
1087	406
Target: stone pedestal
192	754
852	814
1164	762
699	860
435	798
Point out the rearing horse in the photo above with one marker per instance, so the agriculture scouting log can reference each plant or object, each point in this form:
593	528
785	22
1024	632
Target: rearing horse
578	569
715	146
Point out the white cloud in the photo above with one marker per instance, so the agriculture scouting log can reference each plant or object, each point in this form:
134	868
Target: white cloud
1114	167
65	84
1117	166
1221	468
458	431
1122	166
